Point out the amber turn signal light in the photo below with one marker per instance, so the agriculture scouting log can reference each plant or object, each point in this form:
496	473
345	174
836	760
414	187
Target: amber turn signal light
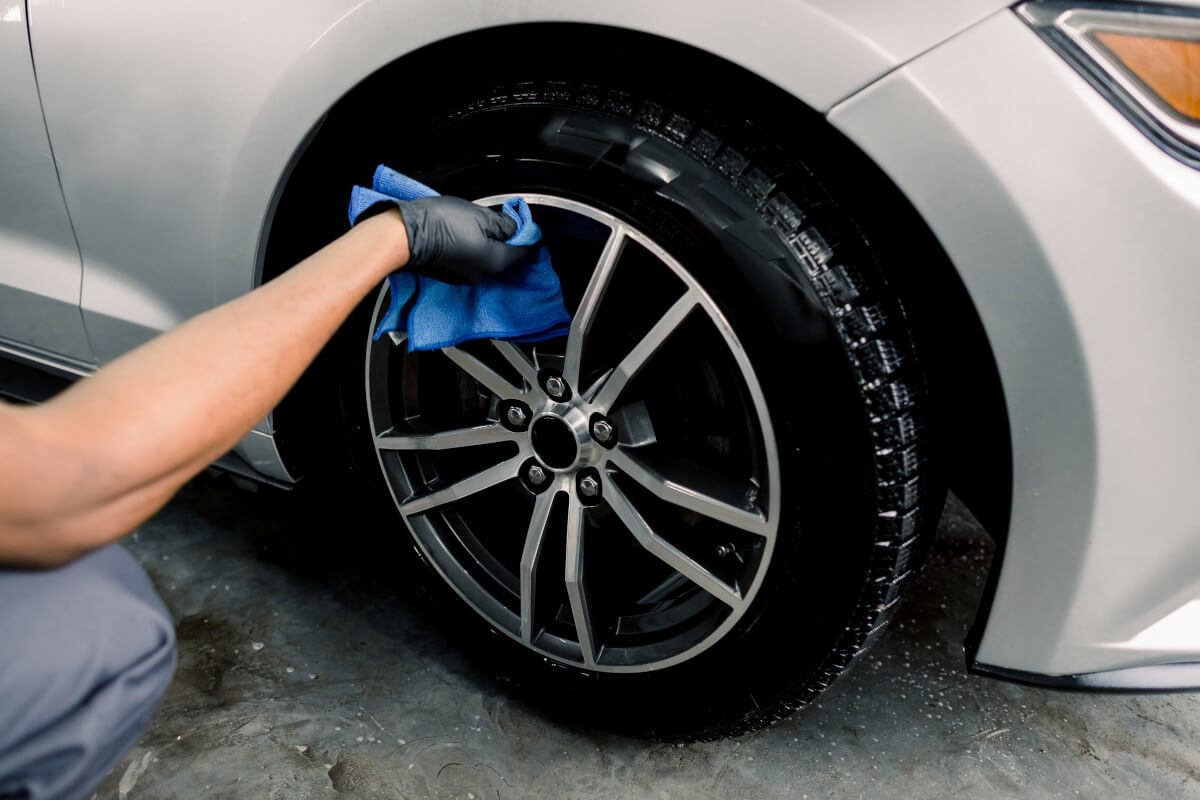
1170	68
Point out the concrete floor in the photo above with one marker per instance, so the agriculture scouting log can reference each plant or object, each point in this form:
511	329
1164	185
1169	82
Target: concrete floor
306	672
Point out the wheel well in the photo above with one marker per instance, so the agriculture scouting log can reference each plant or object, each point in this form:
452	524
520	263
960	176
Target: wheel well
972	424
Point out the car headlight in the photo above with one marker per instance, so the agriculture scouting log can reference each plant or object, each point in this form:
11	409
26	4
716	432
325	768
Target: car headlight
1144	58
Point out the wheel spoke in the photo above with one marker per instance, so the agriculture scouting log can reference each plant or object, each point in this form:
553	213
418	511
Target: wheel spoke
574	579
487	377
519	361
640	354
444	440
593	295
671	555
534	537
707	503
489	477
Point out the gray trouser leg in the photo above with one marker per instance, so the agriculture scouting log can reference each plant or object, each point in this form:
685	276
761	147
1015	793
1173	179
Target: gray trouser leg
86	652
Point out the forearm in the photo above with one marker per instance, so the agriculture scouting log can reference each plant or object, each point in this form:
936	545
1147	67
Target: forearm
124	439
49	540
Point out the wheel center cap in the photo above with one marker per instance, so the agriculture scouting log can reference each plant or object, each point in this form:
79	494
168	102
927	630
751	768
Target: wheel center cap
554	442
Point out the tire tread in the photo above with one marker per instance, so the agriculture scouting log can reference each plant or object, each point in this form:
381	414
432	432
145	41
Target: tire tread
870	324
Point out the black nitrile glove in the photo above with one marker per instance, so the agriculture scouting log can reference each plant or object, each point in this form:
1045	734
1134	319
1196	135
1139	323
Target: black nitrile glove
456	241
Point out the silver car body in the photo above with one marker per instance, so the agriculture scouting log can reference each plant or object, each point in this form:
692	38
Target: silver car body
173	126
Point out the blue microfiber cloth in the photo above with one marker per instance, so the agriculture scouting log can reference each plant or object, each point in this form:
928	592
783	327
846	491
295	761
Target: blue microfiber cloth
521	304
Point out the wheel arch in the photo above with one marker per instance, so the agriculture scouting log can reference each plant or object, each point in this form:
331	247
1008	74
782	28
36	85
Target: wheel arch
957	357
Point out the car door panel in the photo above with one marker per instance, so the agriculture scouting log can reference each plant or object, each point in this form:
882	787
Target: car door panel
40	268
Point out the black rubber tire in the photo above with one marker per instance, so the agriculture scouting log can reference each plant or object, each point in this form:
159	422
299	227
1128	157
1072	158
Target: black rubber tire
829	344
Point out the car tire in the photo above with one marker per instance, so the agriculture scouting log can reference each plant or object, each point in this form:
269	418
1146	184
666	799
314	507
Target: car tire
826	363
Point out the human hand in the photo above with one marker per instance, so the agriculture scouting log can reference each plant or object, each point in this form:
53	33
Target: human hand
457	241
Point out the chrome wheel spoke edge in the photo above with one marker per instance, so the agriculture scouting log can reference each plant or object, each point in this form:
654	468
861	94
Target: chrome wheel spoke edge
671	555
519	361
485	375
751	520
643	350
444	440
574	578
534	537
589	304
485	479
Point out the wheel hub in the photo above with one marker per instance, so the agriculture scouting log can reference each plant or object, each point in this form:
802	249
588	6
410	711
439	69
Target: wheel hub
555	441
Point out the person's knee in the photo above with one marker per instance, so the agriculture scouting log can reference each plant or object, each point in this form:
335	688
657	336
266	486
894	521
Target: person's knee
91	652
158	663
151	658
93	623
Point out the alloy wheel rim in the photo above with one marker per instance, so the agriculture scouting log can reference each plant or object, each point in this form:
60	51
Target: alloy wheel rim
583	457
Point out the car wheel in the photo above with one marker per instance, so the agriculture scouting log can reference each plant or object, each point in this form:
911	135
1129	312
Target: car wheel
691	514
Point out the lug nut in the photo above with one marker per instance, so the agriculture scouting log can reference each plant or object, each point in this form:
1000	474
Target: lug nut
516	416
556	387
602	431
535	475
589	486
724	550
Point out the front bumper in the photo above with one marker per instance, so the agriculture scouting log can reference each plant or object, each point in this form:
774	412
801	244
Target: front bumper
1079	242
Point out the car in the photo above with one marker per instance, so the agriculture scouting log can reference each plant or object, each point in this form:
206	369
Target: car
825	262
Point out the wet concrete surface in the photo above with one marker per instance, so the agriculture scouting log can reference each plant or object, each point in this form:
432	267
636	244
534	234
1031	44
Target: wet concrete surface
306	671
